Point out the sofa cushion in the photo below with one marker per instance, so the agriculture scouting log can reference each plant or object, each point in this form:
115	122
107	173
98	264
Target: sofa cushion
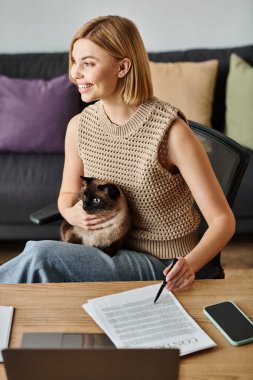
34	65
188	86
34	113
28	182
239	101
199	55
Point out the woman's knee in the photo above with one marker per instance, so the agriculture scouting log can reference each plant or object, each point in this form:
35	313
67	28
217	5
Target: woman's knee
40	261
40	250
33	246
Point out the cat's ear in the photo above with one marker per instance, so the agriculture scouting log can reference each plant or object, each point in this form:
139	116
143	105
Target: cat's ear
113	192
110	189
87	180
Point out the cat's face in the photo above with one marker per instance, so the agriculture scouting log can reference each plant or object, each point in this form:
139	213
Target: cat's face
99	196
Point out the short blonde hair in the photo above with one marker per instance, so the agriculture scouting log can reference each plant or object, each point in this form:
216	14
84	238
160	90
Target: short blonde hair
121	39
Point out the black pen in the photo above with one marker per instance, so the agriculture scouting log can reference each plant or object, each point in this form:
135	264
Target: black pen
164	282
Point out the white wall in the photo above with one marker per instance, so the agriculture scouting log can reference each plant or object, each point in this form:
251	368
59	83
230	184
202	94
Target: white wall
48	25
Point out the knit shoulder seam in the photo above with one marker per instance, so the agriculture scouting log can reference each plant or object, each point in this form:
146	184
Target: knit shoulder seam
157	162
174	114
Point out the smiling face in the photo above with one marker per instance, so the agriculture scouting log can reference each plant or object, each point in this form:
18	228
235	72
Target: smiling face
97	73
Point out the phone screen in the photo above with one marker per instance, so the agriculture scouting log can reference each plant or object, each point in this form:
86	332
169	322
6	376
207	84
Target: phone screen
231	320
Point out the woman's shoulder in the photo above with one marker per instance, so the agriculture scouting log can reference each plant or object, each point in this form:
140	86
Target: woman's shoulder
164	109
73	123
75	119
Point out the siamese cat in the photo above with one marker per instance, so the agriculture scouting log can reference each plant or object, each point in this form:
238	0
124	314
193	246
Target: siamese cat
99	197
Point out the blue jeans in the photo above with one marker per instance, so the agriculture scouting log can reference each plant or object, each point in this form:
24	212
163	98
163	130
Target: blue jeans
55	261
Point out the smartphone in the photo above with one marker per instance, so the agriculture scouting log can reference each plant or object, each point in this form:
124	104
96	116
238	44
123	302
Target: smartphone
236	327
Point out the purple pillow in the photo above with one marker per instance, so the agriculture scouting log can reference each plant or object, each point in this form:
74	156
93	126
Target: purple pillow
34	113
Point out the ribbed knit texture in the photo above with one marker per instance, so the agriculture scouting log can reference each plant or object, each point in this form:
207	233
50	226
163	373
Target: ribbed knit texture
164	221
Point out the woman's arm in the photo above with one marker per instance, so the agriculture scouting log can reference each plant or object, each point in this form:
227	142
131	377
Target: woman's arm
188	155
71	184
73	168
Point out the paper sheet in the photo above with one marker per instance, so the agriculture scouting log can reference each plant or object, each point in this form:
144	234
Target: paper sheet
6	315
132	320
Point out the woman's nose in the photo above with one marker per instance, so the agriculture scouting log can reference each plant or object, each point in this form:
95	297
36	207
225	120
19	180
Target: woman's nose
76	72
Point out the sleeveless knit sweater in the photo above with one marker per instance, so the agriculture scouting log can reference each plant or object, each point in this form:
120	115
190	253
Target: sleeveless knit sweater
164	222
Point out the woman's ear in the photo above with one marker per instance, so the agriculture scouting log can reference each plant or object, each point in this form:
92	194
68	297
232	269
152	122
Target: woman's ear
124	67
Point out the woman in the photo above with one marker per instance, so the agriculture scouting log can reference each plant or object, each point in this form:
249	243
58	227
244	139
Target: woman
144	145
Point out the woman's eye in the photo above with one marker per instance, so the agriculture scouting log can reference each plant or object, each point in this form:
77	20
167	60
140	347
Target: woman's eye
96	200
87	64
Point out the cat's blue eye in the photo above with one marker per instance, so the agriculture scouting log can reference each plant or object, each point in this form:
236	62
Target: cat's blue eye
96	200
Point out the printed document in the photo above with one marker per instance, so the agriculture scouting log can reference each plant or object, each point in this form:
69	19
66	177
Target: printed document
6	315
132	320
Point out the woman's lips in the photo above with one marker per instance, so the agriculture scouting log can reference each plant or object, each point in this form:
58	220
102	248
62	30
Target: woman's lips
84	87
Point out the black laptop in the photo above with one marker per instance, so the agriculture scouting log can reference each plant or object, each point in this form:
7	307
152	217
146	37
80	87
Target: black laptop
86	357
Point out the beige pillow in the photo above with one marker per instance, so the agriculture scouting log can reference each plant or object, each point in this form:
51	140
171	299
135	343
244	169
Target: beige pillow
188	86
239	101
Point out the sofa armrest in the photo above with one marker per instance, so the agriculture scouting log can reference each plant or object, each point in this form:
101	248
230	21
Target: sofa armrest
46	214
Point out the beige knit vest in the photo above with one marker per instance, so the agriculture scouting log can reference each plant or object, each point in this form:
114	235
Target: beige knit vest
164	222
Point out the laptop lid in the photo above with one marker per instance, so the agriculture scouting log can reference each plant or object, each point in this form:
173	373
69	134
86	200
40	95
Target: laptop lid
91	364
66	340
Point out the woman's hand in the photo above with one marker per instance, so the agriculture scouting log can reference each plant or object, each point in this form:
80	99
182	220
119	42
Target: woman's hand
180	277
77	217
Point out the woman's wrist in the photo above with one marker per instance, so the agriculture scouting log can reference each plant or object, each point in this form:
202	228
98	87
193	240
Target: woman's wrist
192	262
